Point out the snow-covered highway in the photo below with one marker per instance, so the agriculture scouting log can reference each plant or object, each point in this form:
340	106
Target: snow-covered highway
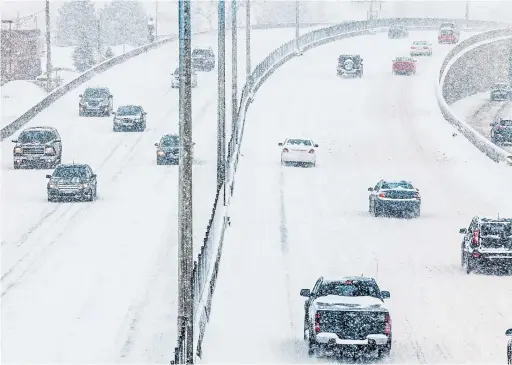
94	282
292	225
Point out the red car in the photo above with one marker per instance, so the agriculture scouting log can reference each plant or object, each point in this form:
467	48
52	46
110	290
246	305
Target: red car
404	65
450	36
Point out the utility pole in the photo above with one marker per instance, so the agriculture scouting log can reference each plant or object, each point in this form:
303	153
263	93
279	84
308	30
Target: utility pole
467	9
221	99
248	68
297	23
234	72
185	251
48	48
156	20
99	36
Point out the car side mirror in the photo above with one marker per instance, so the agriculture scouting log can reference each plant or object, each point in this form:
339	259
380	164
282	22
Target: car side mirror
463	230
492	124
14	141
370	189
114	113
81	96
305	293
111	96
48	176
508	332
385	294
144	113
316	145
280	144
156	145
93	176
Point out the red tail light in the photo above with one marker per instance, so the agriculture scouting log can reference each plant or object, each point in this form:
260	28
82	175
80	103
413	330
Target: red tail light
317	323
500	127
286	150
474	239
416	195
311	151
382	195
387	326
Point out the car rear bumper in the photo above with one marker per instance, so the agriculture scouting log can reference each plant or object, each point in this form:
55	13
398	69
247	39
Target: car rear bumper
398	205
298	157
94	110
69	194
420	51
128	125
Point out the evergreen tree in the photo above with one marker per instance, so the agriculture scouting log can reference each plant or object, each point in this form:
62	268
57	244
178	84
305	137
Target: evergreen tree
109	53
124	22
76	19
83	57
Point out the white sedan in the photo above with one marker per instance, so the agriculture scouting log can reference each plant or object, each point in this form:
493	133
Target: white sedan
299	151
419	48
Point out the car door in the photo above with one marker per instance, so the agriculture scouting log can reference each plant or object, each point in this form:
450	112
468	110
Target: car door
92	178
467	237
142	114
58	144
374	193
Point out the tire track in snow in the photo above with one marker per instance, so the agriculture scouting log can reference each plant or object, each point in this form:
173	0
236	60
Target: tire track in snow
45	228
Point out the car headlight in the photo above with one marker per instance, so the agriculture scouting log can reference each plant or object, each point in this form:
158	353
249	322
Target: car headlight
49	151
160	153
18	150
52	186
85	186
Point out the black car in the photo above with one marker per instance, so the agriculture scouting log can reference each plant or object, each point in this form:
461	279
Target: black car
394	197
96	101
203	59
37	147
398	32
72	182
347	316
129	117
501	132
168	150
500	91
509	346
350	65
486	241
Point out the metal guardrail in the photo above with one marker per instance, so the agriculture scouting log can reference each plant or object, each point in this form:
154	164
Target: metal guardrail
207	265
60	91
491	150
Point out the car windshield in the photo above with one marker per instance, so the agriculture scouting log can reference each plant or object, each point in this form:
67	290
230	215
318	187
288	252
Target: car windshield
350	288
170	141
36	137
201	52
446	31
500	86
397	184
298	142
420	43
96	93
506	123
128	110
70	172
403	59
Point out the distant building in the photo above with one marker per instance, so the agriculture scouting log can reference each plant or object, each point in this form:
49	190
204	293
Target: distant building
21	54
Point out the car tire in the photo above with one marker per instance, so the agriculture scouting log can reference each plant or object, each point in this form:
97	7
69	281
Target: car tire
469	264
115	128
17	166
52	199
80	113
377	211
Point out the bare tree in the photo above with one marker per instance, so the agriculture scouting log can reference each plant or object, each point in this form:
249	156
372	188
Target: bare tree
207	10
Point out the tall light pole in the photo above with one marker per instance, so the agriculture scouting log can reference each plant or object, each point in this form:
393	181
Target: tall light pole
185	250
48	48
297	24
248	69
156	20
221	98
10	43
467	9
234	71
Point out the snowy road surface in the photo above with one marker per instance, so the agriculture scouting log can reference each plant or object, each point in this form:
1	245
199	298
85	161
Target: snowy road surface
292	225
94	282
479	112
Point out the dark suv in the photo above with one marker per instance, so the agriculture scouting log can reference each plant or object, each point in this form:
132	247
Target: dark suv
203	59
37	147
129	117
168	150
486	241
501	132
97	101
72	181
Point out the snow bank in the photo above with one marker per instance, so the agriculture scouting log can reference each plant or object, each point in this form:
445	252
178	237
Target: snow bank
17	97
